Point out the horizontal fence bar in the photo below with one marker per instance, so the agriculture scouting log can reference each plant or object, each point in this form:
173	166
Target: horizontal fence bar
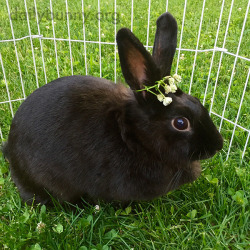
16	100
217	49
225	119
21	38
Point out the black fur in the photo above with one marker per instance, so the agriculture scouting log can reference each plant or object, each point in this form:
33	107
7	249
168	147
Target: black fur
81	136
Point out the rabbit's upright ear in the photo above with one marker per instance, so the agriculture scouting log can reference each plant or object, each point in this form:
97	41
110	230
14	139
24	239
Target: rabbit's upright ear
137	64
165	43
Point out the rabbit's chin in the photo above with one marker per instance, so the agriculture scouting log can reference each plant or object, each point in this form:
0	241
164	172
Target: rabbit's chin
195	168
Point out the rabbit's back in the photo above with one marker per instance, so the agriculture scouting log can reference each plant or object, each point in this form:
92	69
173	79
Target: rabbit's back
63	138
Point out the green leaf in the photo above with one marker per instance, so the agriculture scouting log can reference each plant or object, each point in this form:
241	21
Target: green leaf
239	197
208	177
212	180
89	218
231	191
118	212
105	247
83	248
43	209
84	222
172	209
25	217
58	228
127	211
3	170
1	181
110	234
192	214
36	247
42	212
240	172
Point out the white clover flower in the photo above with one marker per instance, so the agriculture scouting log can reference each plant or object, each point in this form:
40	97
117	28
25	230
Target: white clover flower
173	88
160	97
177	77
47	27
171	80
167	89
97	207
167	101
40	226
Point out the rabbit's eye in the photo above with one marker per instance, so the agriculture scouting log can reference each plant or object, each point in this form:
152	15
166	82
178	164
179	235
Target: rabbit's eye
181	123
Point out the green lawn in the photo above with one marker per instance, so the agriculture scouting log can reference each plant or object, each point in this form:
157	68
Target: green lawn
211	213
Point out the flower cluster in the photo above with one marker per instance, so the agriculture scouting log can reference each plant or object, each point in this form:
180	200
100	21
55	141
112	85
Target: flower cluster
169	87
40	227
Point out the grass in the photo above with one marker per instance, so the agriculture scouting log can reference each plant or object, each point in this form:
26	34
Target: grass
211	213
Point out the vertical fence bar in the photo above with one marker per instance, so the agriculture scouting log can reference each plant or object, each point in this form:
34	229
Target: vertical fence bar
31	43
54	36
7	87
115	42
17	57
182	27
166	5
84	39
245	148
197	45
99	27
70	50
235	61
221	56
1	134
132	14
149	7
40	40
215	43
238	114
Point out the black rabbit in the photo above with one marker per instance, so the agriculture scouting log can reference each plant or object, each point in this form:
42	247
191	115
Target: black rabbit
81	136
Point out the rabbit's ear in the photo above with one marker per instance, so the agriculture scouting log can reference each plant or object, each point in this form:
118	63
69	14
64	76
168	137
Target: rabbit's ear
165	43
137	64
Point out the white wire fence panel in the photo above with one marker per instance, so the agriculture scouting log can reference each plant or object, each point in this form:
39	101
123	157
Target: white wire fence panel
43	40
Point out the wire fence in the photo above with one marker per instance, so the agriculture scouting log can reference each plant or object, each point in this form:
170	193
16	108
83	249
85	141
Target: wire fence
34	36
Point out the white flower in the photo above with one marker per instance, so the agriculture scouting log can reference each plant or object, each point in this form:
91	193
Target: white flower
171	80
167	89
160	97
167	101
177	77
173	88
97	207
47	27
40	226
